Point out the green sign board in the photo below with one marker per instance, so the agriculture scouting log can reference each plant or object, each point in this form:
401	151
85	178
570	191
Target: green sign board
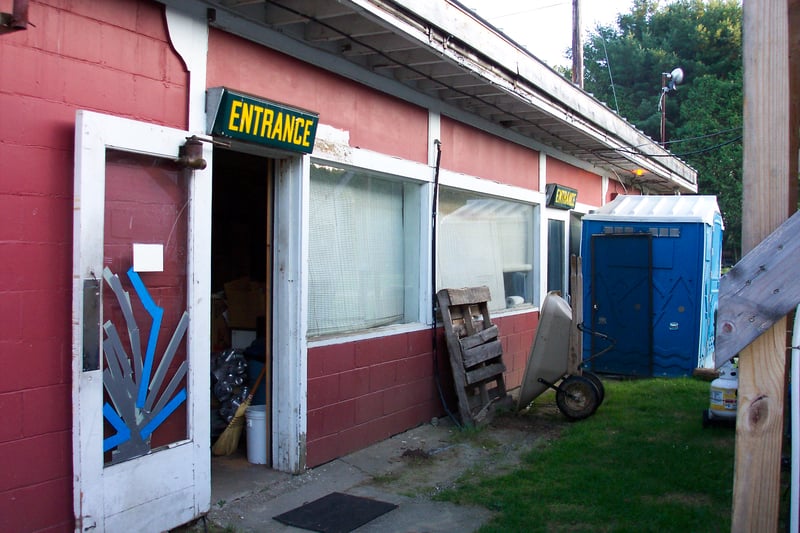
560	197
246	118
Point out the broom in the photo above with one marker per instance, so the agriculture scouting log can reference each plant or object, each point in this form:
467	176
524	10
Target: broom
229	440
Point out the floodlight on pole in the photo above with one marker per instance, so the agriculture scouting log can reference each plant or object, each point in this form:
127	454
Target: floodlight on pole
669	82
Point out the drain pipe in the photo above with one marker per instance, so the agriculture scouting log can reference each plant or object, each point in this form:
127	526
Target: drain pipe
435	345
794	394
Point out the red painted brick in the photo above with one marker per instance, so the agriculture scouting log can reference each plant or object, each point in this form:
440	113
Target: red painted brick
151	21
420	342
369	352
35	122
44	17
407	396
36	170
47	362
42	507
394	347
514	378
159	102
354	383
411	369
353	439
338	417
26	462
514	343
339	358
323	391
81	39
382	377
44	218
314	368
122	14
47	410
35	266
118	46
97	87
381	349
322	450
335	358
11	324
369	407
314	424
11	415
150	57
406	419
31	68
380	429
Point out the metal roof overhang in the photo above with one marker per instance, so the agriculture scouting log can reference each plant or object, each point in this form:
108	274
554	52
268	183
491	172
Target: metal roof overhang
440	55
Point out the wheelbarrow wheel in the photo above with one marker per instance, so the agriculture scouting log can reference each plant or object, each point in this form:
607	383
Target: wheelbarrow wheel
601	390
577	397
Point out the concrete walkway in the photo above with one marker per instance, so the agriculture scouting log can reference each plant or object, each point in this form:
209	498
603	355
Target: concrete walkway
406	470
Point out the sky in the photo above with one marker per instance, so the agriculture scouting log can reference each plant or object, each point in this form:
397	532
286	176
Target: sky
544	27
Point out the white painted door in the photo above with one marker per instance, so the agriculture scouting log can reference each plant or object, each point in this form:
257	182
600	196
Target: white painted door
141	453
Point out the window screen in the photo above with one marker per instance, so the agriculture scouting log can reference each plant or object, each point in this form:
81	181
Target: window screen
359	240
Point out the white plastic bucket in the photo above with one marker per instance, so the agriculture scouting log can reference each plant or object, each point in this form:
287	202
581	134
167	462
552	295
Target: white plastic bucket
256	417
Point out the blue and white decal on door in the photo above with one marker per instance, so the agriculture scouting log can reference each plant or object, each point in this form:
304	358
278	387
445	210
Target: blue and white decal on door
136	405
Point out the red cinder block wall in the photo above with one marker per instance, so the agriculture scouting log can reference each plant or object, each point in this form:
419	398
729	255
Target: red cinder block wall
113	57
362	392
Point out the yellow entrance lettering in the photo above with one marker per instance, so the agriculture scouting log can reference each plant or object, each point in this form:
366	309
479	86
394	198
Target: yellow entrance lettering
307	131
288	129
247	116
266	123
277	129
257	110
566	197
232	125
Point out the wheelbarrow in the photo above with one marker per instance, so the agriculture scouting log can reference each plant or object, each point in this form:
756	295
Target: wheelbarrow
578	392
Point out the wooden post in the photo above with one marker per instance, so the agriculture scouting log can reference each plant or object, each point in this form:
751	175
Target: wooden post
766	178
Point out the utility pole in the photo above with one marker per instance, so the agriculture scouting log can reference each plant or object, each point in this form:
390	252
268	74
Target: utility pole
577	45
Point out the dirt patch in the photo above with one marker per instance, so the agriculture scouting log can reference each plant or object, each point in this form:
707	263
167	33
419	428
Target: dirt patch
457	454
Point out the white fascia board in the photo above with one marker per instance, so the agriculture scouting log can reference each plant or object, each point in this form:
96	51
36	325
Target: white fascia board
544	88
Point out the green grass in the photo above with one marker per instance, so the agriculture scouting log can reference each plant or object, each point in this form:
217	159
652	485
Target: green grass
642	463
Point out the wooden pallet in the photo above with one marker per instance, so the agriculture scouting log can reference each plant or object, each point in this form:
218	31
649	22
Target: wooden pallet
475	353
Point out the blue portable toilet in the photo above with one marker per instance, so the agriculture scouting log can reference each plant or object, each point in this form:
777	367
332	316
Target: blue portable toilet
651	269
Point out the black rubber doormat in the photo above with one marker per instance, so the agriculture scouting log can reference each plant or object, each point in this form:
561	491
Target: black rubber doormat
335	513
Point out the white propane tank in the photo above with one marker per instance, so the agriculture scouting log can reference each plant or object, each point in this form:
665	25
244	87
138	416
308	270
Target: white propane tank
724	392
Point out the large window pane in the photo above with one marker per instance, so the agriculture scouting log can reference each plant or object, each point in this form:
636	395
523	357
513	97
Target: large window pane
362	230
486	241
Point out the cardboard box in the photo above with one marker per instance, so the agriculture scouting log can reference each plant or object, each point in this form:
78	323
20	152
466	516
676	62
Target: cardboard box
246	301
220	334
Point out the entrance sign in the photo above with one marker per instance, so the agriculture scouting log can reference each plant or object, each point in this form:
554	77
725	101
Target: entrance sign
250	119
560	197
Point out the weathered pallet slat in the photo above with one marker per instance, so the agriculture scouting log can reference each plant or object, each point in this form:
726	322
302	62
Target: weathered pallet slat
482	337
481	354
759	290
475	353
483	373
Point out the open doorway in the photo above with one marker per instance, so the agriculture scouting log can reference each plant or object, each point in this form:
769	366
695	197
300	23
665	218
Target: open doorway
241	274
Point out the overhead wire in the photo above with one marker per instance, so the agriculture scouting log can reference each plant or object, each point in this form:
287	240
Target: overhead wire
670	154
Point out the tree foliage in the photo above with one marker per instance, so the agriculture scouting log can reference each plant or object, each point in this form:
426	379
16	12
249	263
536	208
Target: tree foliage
704	114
